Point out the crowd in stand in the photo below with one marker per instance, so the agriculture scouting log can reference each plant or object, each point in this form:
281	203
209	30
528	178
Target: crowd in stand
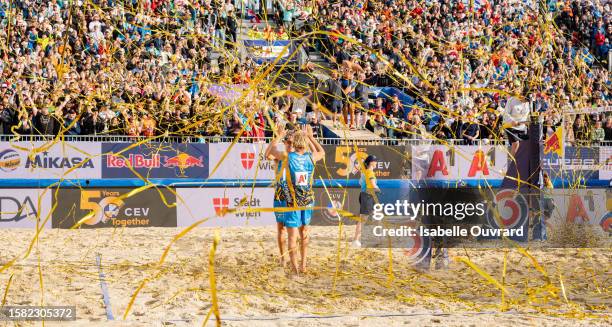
142	68
464	62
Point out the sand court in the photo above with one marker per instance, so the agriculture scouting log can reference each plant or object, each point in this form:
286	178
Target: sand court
344	286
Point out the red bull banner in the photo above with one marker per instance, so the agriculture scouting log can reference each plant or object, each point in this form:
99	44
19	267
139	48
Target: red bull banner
154	160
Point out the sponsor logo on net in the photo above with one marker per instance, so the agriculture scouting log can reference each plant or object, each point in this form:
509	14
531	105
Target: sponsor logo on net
182	161
248	160
111	209
10	160
13	209
459	211
222	205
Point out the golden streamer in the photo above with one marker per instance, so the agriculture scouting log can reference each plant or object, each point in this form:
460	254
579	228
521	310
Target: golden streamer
213	281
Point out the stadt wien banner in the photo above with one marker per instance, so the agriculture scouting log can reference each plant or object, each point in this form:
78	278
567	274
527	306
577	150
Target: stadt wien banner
214	203
243	161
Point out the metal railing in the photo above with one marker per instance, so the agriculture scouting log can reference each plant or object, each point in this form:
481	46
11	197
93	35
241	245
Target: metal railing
229	139
225	139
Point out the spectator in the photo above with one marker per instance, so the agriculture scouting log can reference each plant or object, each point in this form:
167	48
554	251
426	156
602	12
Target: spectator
471	130
148	125
8	117
333	96
71	124
25	125
362	95
581	130
608	129
348	89
598	134
441	130
92	123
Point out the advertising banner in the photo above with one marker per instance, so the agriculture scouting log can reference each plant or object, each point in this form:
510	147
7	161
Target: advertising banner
244	161
342	161
48	160
591	206
21	208
198	203
577	162
155	160
263	51
442	162
331	199
508	209
605	161
112	207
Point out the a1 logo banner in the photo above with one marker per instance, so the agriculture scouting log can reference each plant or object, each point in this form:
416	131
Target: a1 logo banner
590	206
441	162
343	161
242	161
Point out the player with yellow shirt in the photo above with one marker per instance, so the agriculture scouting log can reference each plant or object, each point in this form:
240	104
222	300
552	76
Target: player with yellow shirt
367	197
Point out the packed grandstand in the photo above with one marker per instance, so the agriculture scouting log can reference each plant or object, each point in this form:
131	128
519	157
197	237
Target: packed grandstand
150	68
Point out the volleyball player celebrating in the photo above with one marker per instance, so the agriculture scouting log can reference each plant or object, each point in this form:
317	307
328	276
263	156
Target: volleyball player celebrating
280	186
301	162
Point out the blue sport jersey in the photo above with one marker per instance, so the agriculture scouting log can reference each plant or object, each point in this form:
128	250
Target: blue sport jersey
301	168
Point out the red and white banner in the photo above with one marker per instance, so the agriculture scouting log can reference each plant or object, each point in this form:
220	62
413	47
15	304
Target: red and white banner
589	206
442	162
48	160
243	161
22	208
194	204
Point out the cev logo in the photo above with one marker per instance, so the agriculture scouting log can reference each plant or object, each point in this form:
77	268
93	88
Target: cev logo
102	211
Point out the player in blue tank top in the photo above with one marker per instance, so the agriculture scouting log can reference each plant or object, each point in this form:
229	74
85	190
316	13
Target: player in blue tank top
279	155
301	164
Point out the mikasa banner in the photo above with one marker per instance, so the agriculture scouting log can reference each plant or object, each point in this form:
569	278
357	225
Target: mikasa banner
50	160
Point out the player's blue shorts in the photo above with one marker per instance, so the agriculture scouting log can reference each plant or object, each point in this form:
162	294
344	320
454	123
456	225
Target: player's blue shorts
280	216
298	218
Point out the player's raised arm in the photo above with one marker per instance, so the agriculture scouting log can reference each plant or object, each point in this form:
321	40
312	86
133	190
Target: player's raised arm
272	151
317	150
